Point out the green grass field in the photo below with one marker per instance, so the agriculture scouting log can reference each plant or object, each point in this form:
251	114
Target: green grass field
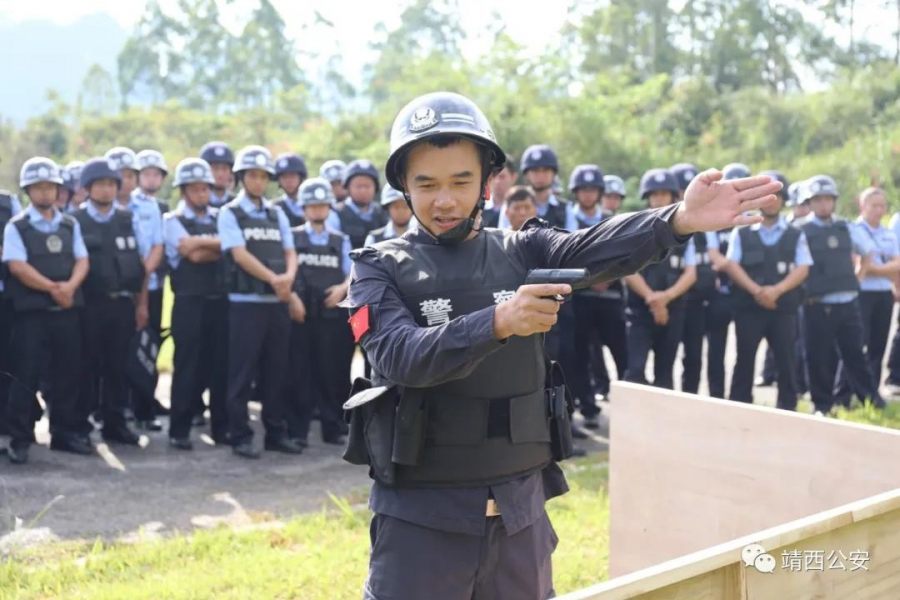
320	556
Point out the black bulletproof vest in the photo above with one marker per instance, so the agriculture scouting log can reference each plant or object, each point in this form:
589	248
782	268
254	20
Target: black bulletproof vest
832	270
724	237
262	237
163	268
6	214
116	264
661	276
556	215
198	279
355	227
52	255
615	290
767	265
706	277
318	268
492	425
294	220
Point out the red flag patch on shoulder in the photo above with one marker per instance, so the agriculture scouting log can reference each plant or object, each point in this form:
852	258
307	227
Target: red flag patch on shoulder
359	323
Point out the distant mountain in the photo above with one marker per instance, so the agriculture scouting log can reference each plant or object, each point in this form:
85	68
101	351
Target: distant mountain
38	55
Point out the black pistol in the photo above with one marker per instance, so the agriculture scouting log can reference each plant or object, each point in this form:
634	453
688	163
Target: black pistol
576	278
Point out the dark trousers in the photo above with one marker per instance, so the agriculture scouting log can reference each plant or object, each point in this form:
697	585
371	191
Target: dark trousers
41	337
200	333
835	331
893	376
411	561
155	306
876	309
644	335
779	330
601	320
692	338
6	320
258	340
318	375
718	317
107	329
770	367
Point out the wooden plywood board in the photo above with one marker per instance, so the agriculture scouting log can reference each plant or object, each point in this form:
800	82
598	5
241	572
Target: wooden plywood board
688	473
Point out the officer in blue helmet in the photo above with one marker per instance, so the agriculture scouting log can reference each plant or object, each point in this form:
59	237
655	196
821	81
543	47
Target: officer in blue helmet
200	310
321	341
290	172
9	207
598	310
453	335
261	267
399	212
655	309
700	294
220	157
47	261
333	171
115	297
613	194
540	167
360	214
79	195
834	327
768	263
66	190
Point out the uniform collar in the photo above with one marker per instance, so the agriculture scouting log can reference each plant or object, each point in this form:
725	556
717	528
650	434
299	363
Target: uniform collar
189	213
293	205
864	223
309	229
36	217
350	203
247	204
822	223
779	224
97	215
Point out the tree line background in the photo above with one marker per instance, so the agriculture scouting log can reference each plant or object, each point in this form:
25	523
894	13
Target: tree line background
628	85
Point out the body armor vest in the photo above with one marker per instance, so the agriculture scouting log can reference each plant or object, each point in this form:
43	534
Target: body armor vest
356	228
832	270
262	236
198	279
318	268
768	265
115	259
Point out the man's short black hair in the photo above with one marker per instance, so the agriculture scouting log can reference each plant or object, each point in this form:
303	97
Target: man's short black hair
445	140
519	193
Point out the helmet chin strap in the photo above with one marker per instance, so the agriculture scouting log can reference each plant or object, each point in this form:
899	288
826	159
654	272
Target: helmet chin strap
461	231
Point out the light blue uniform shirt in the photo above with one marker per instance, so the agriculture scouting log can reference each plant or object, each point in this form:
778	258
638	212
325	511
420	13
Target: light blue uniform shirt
16	209
894	225
174	231
14	247
231	236
216	200
590	220
862	245
571	223
333	222
769	237
149	220
885	243
321	239
365	216
690	254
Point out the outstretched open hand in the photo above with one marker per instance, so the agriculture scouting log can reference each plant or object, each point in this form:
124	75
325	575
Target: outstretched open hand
712	204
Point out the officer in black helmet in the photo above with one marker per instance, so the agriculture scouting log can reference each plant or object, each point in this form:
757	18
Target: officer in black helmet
47	262
768	264
834	327
540	168
79	195
503	180
261	267
66	190
700	294
320	336
220	157
599	316
457	357
200	310
655	309
115	294
9	207
360	215
399	212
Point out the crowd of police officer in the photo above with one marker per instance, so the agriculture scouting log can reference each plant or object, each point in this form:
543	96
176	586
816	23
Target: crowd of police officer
257	286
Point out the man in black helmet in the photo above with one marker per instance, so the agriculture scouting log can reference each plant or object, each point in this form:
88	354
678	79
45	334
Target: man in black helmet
454	337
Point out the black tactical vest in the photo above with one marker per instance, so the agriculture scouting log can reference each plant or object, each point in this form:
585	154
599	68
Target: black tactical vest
6	214
318	268
163	268
724	238
661	276
293	219
556	215
768	265
52	255
706	277
198	279
832	269
492	425
615	290
263	240
115	259
355	227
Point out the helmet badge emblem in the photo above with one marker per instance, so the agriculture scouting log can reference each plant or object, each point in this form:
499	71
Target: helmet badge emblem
422	119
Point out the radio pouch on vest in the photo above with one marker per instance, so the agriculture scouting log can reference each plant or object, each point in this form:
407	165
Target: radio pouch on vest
560	407
370	412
